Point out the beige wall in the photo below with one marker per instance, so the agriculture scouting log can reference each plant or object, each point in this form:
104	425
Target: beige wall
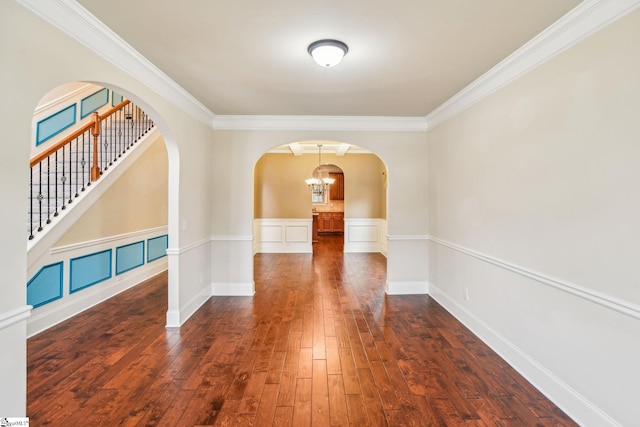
136	201
280	191
542	178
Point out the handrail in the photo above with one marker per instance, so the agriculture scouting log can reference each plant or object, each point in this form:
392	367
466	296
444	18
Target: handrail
62	171
64	141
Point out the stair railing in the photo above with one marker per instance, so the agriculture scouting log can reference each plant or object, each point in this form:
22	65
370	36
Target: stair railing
65	169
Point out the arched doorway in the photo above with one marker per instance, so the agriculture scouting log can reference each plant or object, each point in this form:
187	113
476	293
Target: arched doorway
117	233
284	204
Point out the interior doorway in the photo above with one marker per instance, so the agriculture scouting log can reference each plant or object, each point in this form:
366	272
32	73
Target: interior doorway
287	214
327	204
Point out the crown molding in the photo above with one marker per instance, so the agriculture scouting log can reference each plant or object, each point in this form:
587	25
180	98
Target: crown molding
587	18
320	123
75	21
584	20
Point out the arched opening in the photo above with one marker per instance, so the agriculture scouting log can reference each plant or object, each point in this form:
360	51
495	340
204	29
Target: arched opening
113	232
286	208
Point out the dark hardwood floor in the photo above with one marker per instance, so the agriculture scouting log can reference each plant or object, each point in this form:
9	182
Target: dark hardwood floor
320	344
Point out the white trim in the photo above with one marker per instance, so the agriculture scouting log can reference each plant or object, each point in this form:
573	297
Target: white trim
173	319
233	289
188	248
585	19
564	396
75	21
192	306
64	98
231	238
12	317
320	123
420	287
195	245
621	306
106	240
407	237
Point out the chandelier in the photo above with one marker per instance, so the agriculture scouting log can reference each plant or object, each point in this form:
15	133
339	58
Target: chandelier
320	182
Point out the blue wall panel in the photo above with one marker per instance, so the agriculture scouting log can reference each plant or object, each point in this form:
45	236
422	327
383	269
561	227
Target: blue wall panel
45	286
129	257
116	98
54	124
89	270
157	247
94	101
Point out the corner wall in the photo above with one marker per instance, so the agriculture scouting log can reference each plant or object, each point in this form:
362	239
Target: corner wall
533	212
31	46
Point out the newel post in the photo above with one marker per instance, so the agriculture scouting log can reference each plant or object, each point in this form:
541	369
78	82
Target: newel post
95	131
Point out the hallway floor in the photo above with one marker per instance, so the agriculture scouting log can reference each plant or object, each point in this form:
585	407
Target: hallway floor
319	344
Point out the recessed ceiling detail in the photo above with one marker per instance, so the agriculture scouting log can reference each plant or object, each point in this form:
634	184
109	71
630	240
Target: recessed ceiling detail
311	147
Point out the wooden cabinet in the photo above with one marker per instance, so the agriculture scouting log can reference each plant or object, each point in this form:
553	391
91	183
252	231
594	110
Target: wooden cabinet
330	222
337	189
337	222
314	228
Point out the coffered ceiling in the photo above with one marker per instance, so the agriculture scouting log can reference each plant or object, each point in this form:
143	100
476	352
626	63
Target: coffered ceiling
406	58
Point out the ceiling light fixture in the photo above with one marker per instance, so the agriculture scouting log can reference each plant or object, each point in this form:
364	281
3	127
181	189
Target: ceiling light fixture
320	182
328	53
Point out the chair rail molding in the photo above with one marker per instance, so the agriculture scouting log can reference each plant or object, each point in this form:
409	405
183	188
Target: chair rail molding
599	298
12	317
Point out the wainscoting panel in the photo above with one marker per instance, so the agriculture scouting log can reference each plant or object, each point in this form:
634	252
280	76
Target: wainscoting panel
94	101
89	269
157	247
129	257
78	276
365	235
54	124
296	233
46	285
271	233
282	236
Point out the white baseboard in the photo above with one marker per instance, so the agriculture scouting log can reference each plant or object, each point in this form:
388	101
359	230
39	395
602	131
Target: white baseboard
173	319
565	397
191	307
51	314
233	289
407	288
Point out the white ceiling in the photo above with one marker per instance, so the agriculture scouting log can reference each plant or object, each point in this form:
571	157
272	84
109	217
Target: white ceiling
406	58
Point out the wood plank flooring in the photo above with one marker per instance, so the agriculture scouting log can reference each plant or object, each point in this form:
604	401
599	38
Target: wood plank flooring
320	344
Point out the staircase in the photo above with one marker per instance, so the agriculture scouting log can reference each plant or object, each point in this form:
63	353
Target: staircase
63	172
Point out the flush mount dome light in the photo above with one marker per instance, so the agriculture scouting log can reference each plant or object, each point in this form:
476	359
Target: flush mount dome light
327	53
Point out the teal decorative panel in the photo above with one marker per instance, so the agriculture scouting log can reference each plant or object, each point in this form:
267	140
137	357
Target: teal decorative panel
94	101
55	123
45	286
129	257
89	269
116	98
157	247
